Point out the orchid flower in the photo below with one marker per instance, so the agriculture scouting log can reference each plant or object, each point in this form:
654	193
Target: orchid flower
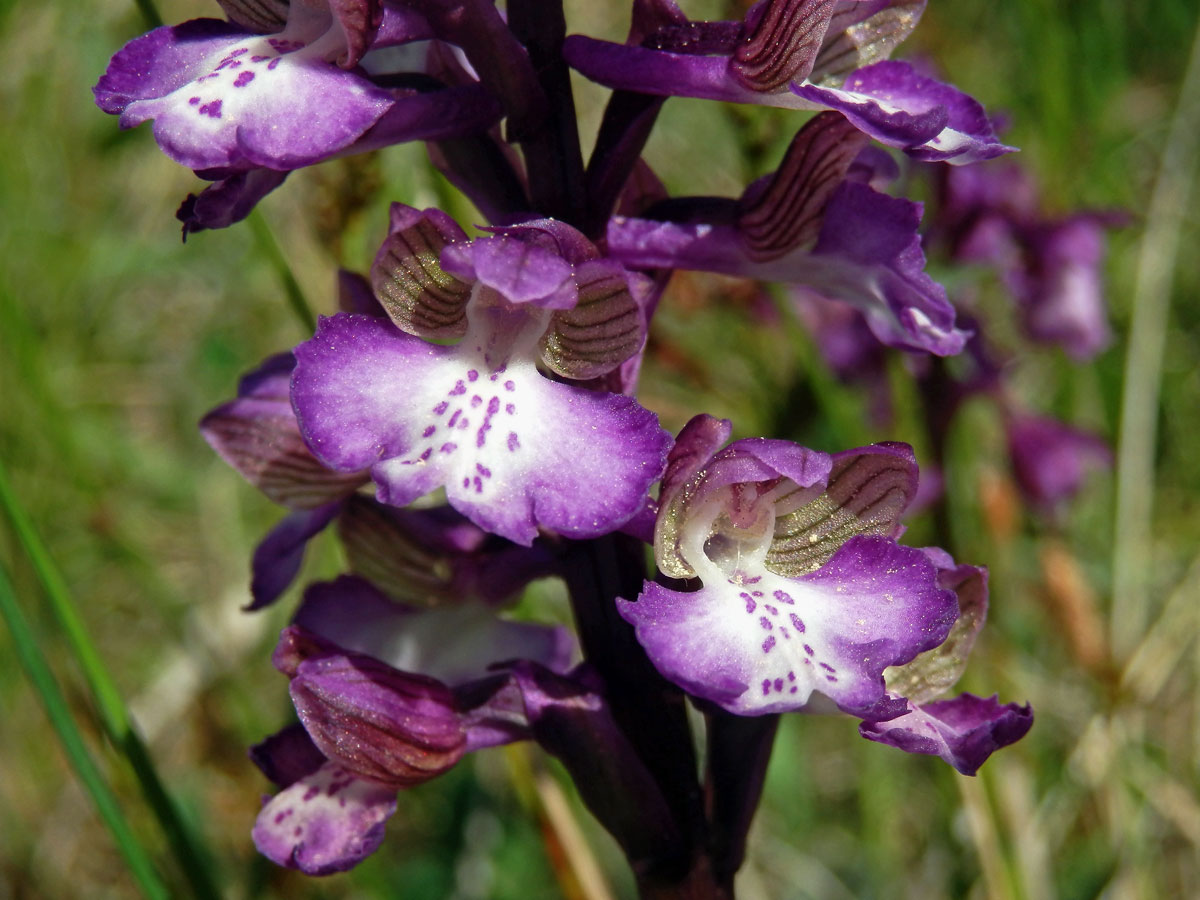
243	107
798	54
389	697
513	449
805	598
811	223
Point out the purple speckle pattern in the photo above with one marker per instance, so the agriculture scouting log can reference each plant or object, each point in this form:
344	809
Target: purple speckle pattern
326	822
532	452
223	98
874	604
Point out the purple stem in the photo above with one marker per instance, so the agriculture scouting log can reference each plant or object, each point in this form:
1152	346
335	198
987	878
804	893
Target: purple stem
553	159
739	748
647	708
628	121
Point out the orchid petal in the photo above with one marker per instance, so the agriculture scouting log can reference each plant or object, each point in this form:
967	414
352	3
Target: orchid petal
963	731
760	643
326	822
513	450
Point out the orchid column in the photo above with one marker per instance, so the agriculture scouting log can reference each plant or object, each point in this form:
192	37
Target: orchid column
467	420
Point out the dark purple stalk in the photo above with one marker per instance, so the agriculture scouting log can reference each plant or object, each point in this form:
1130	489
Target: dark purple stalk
553	159
647	708
628	121
739	748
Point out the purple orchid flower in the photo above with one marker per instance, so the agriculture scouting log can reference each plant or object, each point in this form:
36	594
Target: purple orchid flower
798	54
419	556
243	107
805	597
809	224
389	697
514	450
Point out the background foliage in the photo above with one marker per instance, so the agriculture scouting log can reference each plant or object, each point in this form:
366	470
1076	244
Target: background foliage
115	338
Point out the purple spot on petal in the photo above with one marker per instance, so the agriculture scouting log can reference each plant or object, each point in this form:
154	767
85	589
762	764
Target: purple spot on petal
827	667
766	686
784	597
273	63
768	643
750	604
791	676
755	580
797	624
466	482
449	447
830	678
240	51
809	650
463	423
441	408
475	401
212	110
459	388
428	453
757	593
478	485
785	634
193	100
309	794
429	429
779	684
243	79
257	59
513	442
510	408
510	385
483	470
454	418
472	375
793	690
771	609
764	622
493	377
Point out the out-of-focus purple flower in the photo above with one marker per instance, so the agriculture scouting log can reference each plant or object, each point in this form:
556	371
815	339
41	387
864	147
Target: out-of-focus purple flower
798	54
805	595
809	224
514	450
1050	459
1052	266
1059	291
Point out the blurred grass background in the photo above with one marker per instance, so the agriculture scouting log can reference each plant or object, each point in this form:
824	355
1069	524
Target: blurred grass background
115	338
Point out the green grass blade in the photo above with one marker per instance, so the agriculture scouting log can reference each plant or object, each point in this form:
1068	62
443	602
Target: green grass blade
114	718
270	247
42	679
1165	219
